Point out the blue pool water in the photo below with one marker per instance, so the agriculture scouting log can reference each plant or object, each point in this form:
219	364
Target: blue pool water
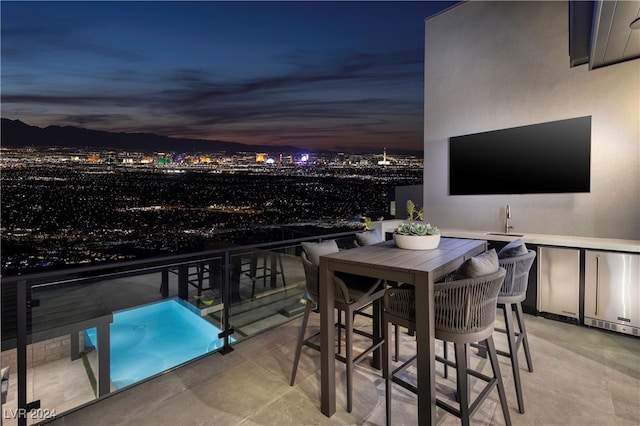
150	339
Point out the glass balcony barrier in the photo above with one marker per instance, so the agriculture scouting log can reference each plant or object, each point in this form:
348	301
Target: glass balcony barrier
72	337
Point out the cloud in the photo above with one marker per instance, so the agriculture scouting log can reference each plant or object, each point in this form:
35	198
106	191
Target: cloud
318	89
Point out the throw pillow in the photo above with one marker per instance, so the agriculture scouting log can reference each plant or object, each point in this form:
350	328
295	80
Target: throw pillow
514	249
315	250
482	264
369	237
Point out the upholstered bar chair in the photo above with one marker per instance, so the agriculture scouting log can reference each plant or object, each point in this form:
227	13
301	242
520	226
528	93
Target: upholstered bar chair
465	312
373	237
352	294
517	260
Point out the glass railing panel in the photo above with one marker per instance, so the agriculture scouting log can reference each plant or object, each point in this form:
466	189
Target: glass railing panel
198	286
265	282
16	298
75	319
92	337
62	376
199	283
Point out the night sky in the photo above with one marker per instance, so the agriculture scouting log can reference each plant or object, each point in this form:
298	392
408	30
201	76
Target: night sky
317	75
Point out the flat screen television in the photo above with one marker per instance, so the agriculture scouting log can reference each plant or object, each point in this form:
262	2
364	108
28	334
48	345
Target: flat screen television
553	157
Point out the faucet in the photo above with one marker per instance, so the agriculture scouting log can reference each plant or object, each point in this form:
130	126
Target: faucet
507	216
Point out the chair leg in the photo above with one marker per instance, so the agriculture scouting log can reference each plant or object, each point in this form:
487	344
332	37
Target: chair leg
513	354
386	370
376	333
200	272
462	381
303	328
339	331
493	356
349	357
523	331
445	347
284	281
397	344
253	270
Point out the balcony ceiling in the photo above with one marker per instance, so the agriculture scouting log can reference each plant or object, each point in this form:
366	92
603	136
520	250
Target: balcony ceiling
613	40
600	32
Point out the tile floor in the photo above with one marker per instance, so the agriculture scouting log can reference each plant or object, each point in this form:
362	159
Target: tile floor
581	377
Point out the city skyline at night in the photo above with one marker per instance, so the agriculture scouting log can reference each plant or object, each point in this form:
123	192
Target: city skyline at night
340	76
63	207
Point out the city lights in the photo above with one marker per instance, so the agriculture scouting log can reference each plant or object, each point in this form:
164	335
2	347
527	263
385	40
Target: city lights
59	213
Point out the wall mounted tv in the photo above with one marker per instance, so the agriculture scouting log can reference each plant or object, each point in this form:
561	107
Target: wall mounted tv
553	157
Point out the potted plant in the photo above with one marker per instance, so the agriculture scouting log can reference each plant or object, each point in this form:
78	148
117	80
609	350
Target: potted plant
416	234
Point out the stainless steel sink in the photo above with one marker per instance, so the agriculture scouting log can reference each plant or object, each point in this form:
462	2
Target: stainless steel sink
506	234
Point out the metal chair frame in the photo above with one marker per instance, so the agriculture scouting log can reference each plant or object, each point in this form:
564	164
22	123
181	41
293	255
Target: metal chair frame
464	313
512	293
349	300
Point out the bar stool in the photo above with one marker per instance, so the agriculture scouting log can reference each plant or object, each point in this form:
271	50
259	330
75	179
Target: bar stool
353	294
512	293
465	312
265	264
368	238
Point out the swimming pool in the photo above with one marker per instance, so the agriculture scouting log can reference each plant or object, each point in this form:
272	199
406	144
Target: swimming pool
149	339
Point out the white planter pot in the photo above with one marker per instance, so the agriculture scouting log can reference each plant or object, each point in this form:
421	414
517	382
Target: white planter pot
417	242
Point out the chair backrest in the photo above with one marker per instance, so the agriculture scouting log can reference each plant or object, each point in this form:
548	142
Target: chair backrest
311	252
367	238
465	309
400	305
517	278
312	278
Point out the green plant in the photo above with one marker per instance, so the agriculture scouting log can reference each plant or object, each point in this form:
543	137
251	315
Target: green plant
416	228
367	222
412	214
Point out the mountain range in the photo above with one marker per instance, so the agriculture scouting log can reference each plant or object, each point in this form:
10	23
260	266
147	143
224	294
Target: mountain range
15	133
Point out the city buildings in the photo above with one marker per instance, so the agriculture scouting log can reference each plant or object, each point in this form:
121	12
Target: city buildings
63	207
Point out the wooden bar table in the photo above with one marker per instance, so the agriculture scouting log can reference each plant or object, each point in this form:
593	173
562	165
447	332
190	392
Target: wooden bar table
420	268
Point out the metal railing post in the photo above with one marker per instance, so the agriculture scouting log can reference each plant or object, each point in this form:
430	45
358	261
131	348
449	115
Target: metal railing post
164	286
21	350
183	282
226	303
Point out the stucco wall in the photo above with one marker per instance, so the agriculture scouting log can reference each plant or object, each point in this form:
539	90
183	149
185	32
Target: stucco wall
495	65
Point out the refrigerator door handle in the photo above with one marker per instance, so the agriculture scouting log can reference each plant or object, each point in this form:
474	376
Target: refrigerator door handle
597	283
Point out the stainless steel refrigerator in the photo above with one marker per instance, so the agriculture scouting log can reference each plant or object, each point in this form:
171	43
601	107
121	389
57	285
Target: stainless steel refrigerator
612	291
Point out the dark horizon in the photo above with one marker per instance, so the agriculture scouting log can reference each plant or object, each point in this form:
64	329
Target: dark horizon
17	133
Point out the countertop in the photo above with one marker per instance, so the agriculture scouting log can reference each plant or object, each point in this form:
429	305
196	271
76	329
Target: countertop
596	243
